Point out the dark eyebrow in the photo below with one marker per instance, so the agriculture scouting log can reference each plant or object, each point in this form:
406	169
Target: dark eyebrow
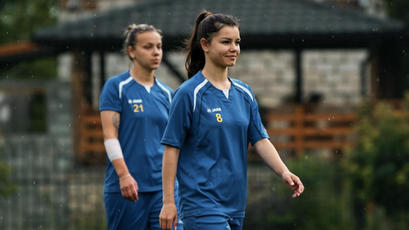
227	38
152	43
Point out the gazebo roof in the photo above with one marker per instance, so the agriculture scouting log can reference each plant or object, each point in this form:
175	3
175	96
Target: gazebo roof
263	24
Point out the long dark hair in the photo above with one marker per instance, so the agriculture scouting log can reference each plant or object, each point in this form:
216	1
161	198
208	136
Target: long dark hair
206	25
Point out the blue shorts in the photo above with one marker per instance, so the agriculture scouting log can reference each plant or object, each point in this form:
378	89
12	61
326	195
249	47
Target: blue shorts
123	214
216	222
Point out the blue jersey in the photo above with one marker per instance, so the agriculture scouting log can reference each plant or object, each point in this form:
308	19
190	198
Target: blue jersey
143	118
213	133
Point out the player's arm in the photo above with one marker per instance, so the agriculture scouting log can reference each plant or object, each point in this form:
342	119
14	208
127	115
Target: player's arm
270	156
110	125
168	214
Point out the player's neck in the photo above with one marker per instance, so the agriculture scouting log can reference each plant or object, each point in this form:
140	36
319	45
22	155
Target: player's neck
142	75
217	76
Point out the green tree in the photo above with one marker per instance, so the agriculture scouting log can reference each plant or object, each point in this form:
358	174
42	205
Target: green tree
18	20
398	9
378	165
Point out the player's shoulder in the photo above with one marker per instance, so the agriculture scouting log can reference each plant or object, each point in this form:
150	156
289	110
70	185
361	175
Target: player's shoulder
236	82
119	79
243	88
193	84
163	86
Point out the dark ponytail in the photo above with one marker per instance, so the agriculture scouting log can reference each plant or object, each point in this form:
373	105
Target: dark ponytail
206	25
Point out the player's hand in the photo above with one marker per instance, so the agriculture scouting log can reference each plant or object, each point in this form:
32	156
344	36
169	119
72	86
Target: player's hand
293	182
129	187
168	216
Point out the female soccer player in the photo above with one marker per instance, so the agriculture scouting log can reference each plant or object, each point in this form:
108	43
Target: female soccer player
134	108
212	119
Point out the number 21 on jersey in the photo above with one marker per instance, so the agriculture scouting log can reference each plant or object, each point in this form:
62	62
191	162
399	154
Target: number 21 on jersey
138	108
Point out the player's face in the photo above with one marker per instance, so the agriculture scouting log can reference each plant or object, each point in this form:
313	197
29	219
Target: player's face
147	52
224	47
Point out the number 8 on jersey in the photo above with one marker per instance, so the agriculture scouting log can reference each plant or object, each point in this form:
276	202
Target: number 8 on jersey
219	117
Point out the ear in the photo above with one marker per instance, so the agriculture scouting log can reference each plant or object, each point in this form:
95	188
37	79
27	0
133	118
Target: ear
204	44
130	51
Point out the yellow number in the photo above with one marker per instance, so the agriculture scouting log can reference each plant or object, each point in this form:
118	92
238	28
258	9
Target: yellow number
137	107
219	117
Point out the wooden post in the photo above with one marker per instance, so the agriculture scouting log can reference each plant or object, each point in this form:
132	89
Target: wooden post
298	76
299	126
80	81
374	73
77	75
102	72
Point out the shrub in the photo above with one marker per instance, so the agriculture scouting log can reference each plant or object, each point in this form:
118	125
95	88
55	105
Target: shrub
378	165
325	204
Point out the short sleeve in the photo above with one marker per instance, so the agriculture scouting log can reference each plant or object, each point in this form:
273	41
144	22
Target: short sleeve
256	130
180	119
109	98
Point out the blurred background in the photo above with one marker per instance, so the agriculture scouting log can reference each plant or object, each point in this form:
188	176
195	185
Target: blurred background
330	77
